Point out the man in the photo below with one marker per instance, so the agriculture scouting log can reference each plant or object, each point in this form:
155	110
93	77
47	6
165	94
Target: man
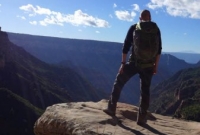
133	67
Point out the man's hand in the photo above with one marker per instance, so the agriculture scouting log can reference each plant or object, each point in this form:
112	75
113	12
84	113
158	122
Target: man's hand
121	69
155	67
122	63
156	64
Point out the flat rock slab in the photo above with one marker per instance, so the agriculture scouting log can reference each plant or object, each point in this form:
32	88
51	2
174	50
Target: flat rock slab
87	118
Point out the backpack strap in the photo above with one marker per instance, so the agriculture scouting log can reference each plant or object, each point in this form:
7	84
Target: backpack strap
138	26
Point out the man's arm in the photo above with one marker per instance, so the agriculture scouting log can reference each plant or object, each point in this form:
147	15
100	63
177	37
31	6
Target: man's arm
124	55
128	40
159	53
126	47
156	64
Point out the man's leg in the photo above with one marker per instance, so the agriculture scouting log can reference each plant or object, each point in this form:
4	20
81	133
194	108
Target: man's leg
145	82
121	79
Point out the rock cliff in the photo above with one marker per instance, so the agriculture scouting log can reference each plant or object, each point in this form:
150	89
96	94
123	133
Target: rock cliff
87	118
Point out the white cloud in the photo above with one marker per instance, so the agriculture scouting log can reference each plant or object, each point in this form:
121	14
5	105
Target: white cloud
43	23
35	10
114	5
97	32
57	18
42	11
125	15
136	7
33	22
183	8
22	17
28	8
80	18
51	20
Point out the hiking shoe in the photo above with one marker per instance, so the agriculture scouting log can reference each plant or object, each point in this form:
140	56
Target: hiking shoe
109	111
141	123
141	119
111	108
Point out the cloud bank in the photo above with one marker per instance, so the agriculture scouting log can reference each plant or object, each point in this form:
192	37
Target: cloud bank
182	8
57	18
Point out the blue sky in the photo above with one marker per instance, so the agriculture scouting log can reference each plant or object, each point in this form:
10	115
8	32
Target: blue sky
104	20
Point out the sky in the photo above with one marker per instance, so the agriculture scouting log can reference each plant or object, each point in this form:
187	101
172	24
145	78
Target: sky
104	20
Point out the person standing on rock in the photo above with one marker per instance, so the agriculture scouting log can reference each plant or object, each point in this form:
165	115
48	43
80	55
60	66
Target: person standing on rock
145	39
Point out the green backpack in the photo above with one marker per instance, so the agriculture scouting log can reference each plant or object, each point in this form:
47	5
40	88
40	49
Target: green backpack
145	42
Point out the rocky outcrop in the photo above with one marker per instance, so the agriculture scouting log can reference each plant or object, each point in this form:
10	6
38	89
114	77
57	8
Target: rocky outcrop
87	118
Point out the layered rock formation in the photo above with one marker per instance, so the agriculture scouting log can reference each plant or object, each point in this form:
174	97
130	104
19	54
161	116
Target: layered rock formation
87	118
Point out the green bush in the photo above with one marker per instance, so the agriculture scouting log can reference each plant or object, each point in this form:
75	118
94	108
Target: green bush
191	112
